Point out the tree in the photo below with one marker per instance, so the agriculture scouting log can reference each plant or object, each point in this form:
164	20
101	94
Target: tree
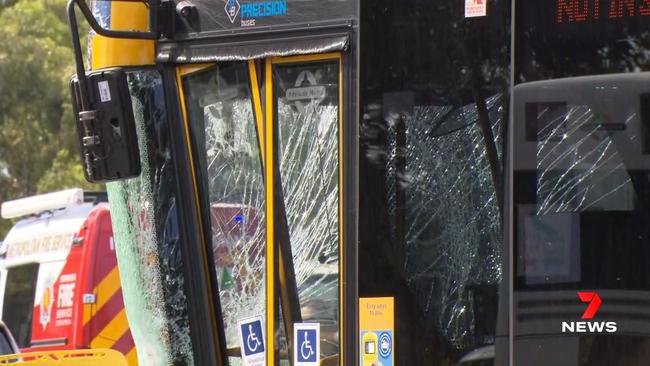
37	137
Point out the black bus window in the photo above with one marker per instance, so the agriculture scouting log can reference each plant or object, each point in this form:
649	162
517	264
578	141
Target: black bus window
434	98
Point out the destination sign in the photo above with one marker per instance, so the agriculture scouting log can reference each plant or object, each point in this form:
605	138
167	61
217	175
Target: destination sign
576	11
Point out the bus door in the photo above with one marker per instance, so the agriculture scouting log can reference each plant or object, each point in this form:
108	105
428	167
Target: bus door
267	154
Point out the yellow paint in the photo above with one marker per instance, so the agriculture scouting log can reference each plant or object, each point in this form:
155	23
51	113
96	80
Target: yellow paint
88	313
257	105
78	357
113	331
103	292
306	58
132	357
212	321
376	313
342	277
185	70
270	268
369	343
109	52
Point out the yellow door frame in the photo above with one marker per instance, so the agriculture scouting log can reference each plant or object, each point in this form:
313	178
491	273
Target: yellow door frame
270	204
264	123
180	72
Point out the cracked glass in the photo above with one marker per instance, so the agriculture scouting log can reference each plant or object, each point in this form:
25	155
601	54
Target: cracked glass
581	178
145	224
307	127
222	123
434	98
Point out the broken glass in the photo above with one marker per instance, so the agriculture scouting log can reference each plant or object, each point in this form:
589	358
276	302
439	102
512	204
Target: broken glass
579	164
308	155
145	225
220	113
452	230
581	203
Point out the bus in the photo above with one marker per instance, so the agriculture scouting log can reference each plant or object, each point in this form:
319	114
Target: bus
374	182
59	280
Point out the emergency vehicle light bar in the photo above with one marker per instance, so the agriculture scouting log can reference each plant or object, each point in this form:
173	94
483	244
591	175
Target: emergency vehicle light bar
43	202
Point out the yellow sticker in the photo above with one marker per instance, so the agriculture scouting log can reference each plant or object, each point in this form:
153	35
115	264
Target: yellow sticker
376	327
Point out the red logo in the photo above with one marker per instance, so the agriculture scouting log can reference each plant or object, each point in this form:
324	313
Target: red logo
594	303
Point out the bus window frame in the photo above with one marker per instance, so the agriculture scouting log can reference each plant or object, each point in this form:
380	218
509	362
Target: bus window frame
269	146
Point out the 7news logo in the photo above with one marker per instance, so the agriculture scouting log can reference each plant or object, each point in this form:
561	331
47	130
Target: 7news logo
589	326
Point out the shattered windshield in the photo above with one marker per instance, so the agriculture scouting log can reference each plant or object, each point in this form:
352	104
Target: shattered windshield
145	224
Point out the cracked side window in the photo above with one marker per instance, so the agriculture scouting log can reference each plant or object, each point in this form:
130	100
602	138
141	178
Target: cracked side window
307	117
220	115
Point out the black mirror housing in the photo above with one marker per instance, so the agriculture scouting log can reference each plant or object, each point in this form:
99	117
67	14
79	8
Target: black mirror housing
106	130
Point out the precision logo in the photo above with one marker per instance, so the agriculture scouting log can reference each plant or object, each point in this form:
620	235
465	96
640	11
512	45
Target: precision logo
589	327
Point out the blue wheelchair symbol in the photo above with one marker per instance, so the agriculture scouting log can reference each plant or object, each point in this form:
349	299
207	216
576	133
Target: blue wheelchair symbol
307	345
252	334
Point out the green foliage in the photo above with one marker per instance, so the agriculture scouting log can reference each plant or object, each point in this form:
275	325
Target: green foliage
37	137
65	172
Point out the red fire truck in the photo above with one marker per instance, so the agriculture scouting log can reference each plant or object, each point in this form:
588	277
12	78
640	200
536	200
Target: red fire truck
59	281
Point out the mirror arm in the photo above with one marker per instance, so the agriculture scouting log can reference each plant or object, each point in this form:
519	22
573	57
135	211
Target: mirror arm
90	18
78	57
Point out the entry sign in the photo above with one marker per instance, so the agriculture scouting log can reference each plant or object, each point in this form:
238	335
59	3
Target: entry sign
251	339
376	325
306	344
475	8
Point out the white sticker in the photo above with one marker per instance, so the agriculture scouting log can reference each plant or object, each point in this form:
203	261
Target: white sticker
251	339
104	91
306	344
475	8
89	298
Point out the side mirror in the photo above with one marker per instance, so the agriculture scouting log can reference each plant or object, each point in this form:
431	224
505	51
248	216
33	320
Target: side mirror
106	126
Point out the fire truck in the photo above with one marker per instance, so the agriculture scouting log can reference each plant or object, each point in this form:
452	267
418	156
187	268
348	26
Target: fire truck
59	279
374	182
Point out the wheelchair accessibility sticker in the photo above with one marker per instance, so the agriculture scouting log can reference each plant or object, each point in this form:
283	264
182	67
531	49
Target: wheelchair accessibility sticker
251	338
306	350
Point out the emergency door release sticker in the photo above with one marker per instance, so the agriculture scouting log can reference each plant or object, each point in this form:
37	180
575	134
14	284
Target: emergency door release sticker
251	340
104	91
306	349
475	8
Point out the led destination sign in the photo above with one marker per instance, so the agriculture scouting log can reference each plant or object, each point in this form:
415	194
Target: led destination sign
575	11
